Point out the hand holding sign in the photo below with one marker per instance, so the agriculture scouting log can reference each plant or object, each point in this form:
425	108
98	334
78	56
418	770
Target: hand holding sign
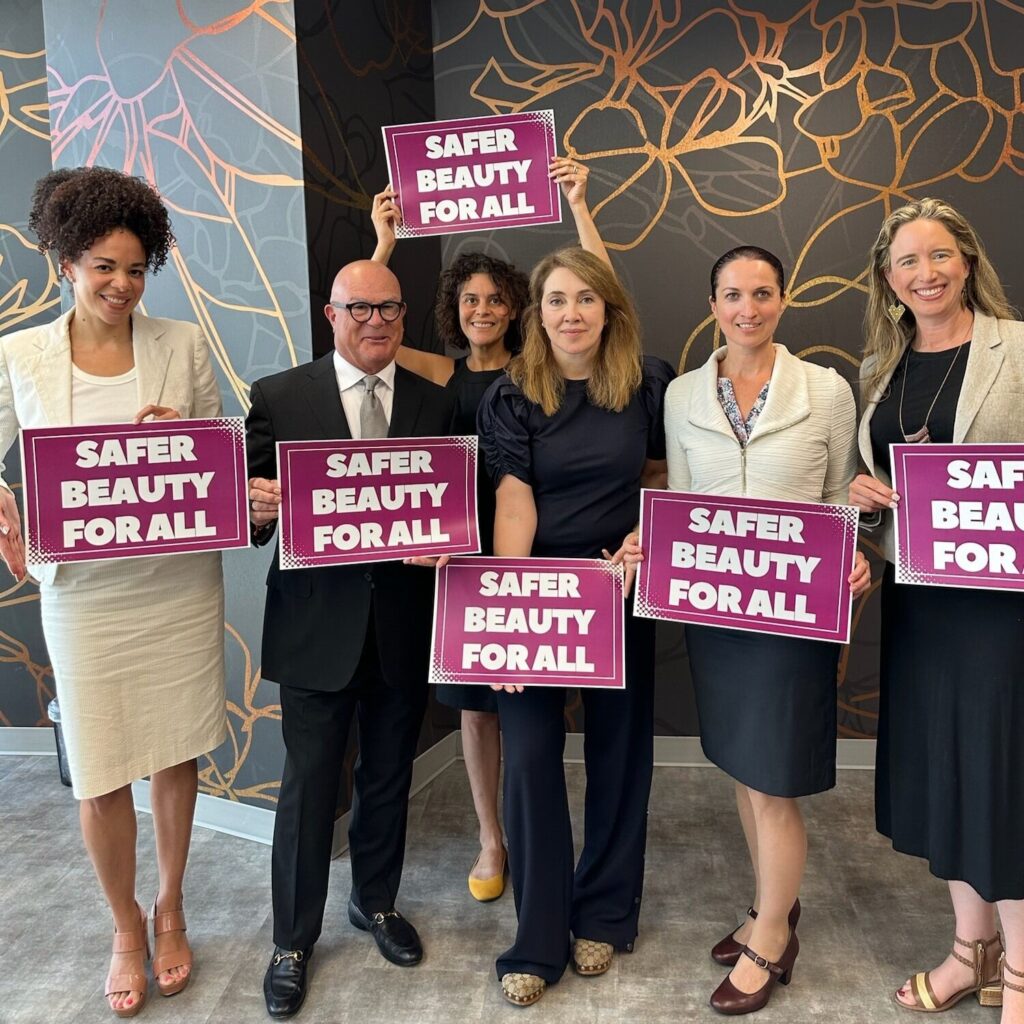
12	544
871	495
385	216
264	500
860	578
158	412
571	177
630	555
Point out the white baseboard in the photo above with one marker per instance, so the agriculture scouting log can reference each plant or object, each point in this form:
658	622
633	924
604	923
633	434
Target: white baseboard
27	739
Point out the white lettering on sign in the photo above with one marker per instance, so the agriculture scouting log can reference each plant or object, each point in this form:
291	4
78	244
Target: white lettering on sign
488	140
132	450
762	525
529	583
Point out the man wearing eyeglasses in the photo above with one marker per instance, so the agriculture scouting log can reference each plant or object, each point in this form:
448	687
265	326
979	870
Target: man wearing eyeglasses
343	642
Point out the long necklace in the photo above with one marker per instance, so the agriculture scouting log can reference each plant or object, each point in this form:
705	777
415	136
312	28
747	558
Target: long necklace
922	436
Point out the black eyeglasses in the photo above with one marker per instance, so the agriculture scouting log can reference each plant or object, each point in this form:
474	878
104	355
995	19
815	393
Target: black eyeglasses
363	311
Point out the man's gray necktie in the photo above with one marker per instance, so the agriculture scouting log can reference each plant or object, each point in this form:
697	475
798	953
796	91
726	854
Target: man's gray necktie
372	421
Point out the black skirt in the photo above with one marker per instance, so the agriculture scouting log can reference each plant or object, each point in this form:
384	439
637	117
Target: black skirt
949	784
467	698
767	708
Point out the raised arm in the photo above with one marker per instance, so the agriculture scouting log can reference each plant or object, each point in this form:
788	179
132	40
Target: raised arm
385	216
572	176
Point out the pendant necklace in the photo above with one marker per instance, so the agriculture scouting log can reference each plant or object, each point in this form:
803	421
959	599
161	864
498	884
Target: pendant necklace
922	436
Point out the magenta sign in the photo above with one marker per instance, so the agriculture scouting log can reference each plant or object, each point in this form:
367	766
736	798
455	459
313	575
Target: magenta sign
960	519
534	621
473	173
768	566
133	489
376	501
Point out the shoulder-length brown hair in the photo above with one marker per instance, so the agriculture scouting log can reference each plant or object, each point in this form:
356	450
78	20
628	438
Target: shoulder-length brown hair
617	371
886	340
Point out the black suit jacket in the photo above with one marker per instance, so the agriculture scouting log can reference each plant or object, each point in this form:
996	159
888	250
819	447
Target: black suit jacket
315	621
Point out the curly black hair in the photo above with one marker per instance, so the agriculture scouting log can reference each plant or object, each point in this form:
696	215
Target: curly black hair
74	206
512	284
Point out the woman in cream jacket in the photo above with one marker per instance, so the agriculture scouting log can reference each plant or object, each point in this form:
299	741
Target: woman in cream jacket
137	645
756	421
944	361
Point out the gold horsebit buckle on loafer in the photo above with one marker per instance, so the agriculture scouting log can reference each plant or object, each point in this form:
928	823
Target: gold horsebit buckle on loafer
378	918
292	954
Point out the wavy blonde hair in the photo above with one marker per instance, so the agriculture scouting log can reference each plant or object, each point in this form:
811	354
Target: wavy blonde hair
886	341
617	371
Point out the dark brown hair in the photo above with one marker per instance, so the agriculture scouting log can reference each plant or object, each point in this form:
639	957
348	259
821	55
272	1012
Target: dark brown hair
73	207
512	285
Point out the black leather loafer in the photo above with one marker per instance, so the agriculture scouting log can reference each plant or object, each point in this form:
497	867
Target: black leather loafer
284	984
395	937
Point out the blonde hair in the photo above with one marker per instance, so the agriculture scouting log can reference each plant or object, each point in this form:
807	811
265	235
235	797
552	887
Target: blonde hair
617	371
886	341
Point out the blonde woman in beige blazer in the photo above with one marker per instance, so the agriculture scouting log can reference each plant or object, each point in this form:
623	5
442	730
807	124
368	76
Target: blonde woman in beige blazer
944	362
136	645
756	421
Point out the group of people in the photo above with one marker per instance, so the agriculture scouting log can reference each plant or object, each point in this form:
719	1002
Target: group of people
573	420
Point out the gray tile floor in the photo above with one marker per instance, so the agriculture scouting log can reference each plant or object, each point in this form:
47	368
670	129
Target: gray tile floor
871	917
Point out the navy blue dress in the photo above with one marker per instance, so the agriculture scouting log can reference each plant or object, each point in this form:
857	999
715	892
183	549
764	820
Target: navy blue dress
584	466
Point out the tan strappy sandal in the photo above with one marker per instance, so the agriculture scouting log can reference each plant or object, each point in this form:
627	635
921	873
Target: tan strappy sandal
169	938
1006	969
986	957
134	978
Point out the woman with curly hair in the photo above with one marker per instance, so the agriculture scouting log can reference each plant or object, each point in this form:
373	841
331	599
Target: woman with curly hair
136	645
479	302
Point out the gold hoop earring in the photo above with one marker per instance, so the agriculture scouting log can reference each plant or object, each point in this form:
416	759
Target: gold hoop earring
896	311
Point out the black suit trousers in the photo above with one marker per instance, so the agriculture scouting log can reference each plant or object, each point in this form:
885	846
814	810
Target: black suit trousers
315	725
600	898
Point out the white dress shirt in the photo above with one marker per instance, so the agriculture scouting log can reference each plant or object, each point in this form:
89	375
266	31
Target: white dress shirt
352	396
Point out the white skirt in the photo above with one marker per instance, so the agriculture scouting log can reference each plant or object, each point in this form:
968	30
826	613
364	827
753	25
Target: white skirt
137	647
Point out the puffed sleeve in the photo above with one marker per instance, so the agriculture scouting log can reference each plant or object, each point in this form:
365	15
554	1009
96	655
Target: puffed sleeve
675	449
502	421
658	374
842	445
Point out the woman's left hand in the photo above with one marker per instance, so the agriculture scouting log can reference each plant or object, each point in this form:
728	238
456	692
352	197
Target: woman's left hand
158	412
430	561
630	555
571	176
860	578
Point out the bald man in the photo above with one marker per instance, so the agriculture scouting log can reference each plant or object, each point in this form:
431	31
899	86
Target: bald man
343	642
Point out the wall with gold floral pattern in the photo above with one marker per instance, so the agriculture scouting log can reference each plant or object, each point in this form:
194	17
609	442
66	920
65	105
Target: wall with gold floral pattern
796	125
791	124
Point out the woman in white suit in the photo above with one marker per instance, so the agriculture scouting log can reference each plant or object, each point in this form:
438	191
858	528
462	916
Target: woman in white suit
944	362
756	421
136	645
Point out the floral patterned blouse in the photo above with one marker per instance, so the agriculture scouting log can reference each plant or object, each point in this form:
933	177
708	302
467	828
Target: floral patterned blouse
741	427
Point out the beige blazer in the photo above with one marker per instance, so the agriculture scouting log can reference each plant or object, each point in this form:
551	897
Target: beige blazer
990	407
803	446
172	362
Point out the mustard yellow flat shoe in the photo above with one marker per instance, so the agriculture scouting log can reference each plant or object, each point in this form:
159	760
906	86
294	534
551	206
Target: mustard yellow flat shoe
484	890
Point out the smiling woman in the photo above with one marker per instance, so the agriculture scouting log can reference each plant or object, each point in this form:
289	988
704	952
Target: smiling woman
137	646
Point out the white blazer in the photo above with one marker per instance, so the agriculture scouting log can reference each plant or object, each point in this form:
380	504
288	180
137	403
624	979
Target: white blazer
990	406
803	446
172	362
